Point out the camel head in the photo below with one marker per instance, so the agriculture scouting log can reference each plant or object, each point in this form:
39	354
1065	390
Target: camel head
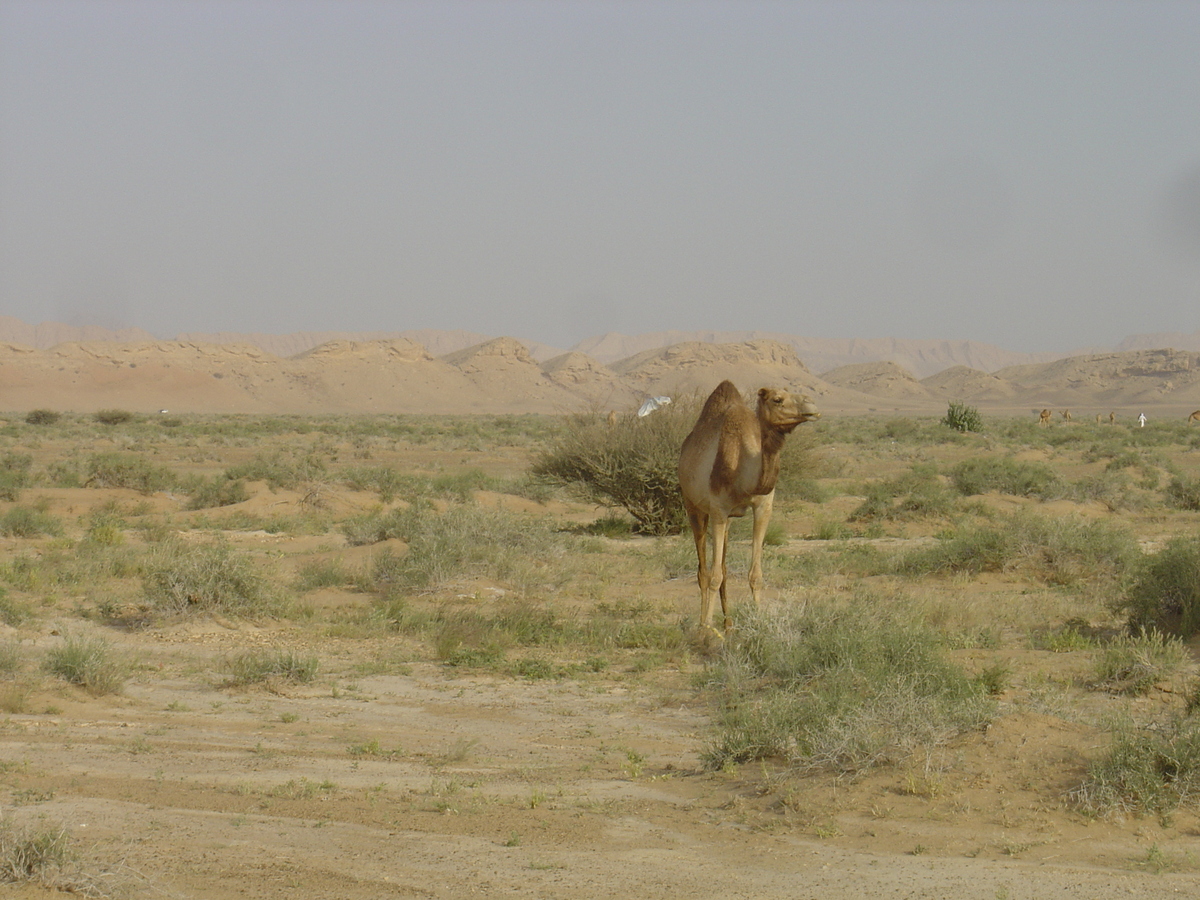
783	411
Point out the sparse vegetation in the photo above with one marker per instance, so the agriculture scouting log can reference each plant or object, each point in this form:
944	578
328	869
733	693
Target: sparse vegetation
90	662
190	578
843	689
257	666
959	580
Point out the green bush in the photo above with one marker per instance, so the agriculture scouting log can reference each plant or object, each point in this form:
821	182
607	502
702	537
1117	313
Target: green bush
114	416
125	470
462	542
1063	550
1133	664
915	495
89	662
979	475
21	521
218	491
287	471
42	417
1149	769
14	474
1184	493
185	578
840	689
1165	592
963	418
257	666
632	463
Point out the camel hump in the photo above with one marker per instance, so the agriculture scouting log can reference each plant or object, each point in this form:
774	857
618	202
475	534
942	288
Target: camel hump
724	395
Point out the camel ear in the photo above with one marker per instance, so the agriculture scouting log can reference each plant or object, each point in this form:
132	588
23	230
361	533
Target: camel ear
762	393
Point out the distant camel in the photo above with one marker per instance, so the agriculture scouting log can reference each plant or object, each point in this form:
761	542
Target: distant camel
1044	417
1112	418
1194	417
612	418
1066	414
1099	419
728	464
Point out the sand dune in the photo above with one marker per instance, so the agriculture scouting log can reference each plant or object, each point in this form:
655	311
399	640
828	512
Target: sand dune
503	375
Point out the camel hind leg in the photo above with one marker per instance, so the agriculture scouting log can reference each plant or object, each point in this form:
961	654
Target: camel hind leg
699	522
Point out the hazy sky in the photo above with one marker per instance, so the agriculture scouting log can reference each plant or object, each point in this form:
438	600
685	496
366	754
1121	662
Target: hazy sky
1023	173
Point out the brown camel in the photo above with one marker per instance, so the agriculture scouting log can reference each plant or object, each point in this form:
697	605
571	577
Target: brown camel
1112	418
1194	417
728	464
1044	417
1066	414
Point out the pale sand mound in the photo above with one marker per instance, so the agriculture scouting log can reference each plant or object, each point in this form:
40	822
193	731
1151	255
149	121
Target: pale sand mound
965	383
504	368
582	375
879	379
683	368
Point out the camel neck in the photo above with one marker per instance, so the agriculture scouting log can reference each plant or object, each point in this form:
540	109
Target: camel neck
772	444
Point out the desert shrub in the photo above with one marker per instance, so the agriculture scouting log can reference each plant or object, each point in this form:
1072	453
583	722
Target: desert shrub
632	463
382	479
1165	591
114	416
41	855
12	612
42	417
963	418
843	689
373	527
1183	493
89	662
21	521
183	578
464	541
914	495
281	470
1132	664
217	491
322	573
1145	769
1111	488
257	666
1061	550
125	470
14	474
981	474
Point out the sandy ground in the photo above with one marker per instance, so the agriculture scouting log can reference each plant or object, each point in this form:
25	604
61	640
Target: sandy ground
438	784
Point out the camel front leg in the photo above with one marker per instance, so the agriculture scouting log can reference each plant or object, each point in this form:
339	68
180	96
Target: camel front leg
719	525
762	518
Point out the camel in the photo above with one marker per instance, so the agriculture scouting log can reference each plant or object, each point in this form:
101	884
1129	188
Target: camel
730	463
1112	418
1194	417
1044	417
1098	418
1066	414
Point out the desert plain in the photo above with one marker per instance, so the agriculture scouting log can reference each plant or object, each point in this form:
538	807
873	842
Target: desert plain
360	654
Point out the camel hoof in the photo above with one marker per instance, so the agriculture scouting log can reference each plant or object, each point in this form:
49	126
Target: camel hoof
709	639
